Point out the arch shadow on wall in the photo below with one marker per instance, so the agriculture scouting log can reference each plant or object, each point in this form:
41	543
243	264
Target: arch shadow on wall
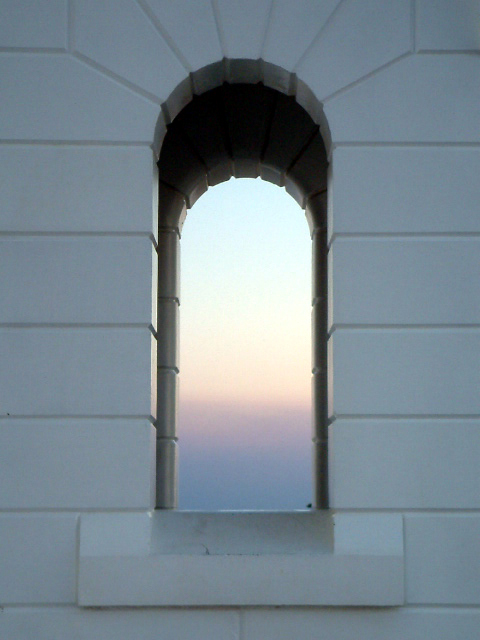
244	130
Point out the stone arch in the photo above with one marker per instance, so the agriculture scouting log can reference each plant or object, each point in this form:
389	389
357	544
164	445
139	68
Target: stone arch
235	71
239	130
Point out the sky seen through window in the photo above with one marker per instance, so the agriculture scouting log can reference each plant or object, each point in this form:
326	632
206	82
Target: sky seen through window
244	412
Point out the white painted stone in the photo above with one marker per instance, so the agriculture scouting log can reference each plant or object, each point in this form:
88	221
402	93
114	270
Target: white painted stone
359	38
33	23
423	98
172	208
76	371
76	280
77	188
404	189
209	77
168	334
404	372
445	25
442	559
243	26
167	558
98	464
167	402
362	624
198	580
119	36
166	473
359	533
319	336
37	558
56	97
298	23
404	464
60	623
192	28
168	264
404	281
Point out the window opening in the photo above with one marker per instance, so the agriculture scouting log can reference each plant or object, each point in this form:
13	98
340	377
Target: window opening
244	405
245	131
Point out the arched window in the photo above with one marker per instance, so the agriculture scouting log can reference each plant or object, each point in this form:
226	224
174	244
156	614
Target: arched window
240	130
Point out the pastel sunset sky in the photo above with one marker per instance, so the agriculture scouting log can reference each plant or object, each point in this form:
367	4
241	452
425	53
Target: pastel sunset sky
244	419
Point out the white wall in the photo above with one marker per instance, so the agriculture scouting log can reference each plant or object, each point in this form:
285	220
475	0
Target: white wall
82	84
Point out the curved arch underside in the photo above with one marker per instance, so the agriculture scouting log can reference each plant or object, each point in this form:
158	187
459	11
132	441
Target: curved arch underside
244	131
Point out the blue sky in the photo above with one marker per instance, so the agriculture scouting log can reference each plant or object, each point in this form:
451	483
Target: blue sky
244	420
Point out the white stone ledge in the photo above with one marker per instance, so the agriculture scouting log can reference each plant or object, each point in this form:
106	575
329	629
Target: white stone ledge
240	558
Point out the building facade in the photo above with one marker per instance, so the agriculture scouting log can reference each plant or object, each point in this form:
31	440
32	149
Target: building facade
88	237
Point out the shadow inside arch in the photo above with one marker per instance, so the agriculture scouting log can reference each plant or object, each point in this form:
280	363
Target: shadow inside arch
240	71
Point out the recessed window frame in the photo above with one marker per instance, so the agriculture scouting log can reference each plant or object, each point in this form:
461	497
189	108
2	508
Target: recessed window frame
239	130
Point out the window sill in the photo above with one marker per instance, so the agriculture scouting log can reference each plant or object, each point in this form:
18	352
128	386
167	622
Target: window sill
168	558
